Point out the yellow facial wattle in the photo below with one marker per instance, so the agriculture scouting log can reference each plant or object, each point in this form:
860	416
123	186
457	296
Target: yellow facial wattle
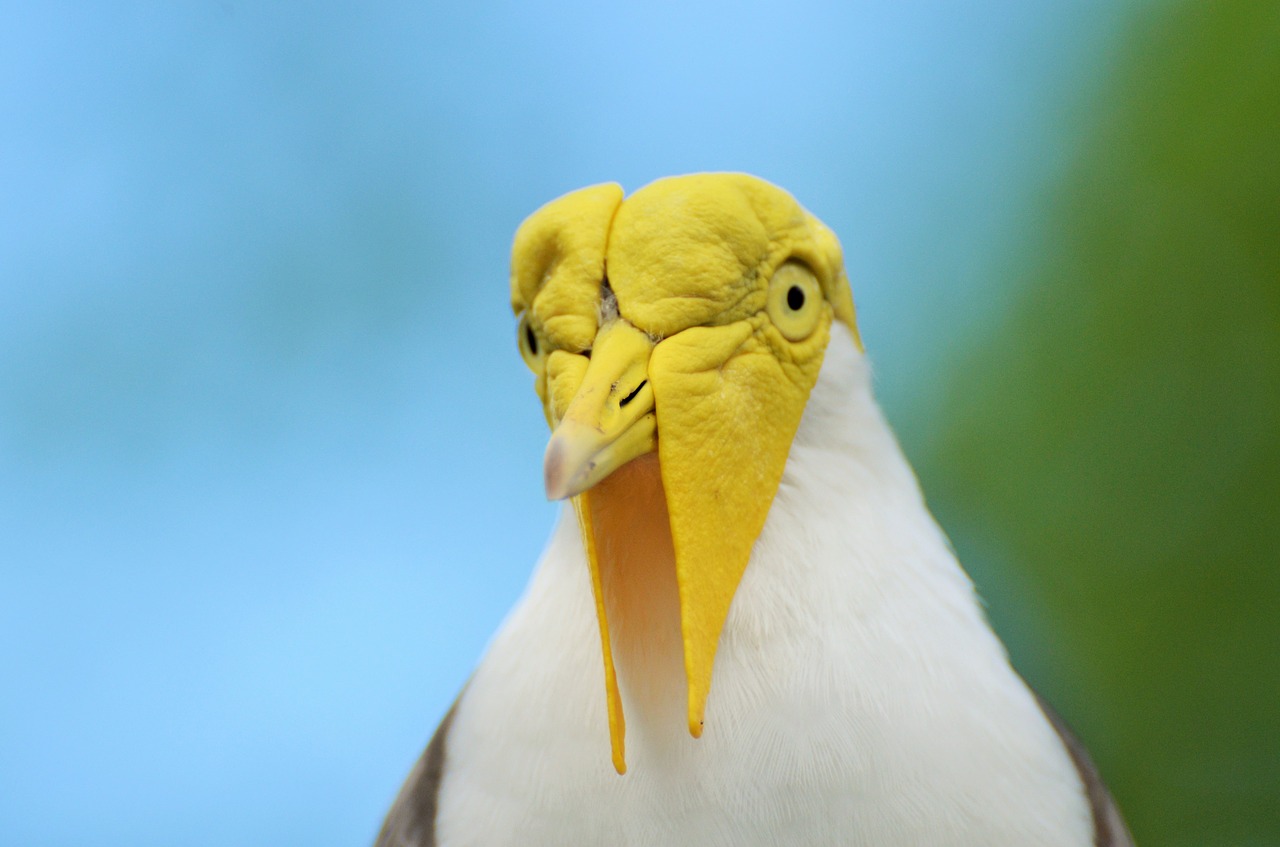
691	317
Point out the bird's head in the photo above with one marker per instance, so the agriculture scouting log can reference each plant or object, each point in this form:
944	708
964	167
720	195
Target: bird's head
689	319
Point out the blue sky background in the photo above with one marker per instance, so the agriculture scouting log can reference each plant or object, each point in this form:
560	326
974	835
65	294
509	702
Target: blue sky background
269	460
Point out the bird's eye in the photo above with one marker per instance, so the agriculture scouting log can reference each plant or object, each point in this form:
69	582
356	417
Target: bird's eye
795	301
532	348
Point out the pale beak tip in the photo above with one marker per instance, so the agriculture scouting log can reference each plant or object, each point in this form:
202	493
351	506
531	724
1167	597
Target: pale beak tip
553	476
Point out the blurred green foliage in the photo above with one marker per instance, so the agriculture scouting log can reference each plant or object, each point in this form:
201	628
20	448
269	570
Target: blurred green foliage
1117	439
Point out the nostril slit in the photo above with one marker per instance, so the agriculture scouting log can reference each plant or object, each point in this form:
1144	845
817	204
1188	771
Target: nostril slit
632	395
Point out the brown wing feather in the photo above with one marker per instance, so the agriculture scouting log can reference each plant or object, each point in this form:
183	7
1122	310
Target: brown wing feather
1109	829
412	819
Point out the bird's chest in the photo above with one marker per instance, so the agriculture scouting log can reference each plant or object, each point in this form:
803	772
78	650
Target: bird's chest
871	735
529	764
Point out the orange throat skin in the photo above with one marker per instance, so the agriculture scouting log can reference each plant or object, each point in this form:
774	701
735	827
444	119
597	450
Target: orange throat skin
627	533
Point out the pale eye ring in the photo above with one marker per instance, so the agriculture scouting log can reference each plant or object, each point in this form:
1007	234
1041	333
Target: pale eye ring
795	300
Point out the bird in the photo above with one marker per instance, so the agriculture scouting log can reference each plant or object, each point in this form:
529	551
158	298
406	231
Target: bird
747	628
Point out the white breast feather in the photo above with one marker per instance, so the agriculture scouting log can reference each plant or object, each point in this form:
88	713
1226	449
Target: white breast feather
859	697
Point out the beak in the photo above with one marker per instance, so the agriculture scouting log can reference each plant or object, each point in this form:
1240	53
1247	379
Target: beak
610	420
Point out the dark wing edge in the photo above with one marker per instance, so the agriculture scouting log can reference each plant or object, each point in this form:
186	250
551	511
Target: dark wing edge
411	822
1109	829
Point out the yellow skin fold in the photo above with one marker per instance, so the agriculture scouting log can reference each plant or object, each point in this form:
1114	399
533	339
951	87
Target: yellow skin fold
691	317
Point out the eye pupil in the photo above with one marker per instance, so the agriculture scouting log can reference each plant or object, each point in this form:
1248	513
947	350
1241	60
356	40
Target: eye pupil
795	298
531	340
